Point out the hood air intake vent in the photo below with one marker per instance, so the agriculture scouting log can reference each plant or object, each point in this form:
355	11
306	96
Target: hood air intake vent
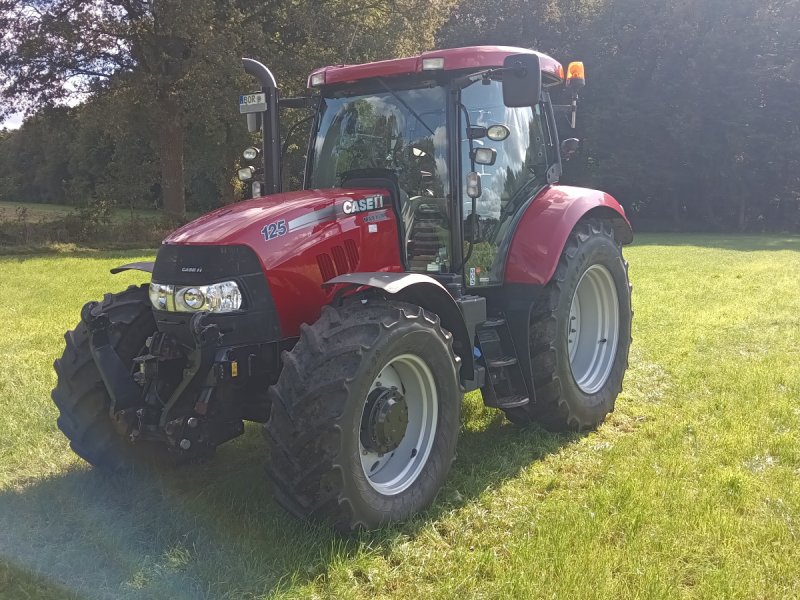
344	260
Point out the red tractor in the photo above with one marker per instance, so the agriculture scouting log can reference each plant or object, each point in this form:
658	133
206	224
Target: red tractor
431	252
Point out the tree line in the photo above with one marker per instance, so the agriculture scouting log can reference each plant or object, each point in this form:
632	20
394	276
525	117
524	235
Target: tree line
690	117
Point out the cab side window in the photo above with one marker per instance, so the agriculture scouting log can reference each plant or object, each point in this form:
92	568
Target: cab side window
519	170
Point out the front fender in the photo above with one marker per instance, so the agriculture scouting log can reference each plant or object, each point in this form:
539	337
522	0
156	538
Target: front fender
147	267
544	228
428	293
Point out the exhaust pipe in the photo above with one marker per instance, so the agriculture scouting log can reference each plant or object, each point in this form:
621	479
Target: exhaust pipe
271	138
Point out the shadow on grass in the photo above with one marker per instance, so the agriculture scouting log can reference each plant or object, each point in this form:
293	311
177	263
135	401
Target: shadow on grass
741	243
212	530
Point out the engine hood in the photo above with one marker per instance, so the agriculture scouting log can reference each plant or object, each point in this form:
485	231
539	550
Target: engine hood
301	240
235	223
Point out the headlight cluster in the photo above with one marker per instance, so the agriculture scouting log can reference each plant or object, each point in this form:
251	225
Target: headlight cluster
217	297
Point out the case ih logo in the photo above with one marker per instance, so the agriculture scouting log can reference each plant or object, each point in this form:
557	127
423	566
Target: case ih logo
351	207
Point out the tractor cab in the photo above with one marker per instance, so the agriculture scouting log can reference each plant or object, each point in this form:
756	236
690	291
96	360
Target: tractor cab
461	139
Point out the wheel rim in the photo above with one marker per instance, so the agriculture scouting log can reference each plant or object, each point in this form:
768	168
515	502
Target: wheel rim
593	329
409	377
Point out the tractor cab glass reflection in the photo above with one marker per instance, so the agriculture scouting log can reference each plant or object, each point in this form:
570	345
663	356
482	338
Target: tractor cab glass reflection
402	132
519	169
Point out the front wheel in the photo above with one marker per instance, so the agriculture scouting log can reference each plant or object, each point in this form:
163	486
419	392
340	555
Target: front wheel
580	333
365	415
80	394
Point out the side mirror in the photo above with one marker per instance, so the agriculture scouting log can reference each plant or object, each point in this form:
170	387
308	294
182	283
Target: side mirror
569	147
522	80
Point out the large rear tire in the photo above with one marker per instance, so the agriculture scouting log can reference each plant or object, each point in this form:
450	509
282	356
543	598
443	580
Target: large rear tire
365	415
580	333
80	393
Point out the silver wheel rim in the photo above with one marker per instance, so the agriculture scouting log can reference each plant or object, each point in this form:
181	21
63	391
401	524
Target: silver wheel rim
394	471
593	329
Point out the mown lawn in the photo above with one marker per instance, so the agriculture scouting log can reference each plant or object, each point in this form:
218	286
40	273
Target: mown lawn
690	489
36	211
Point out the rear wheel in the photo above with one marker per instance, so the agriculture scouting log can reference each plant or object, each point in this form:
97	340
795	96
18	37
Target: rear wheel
580	333
365	415
80	393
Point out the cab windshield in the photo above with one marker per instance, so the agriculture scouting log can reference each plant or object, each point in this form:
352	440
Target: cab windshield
380	130
402	131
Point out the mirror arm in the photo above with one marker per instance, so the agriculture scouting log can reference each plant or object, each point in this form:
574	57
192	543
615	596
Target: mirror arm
467	80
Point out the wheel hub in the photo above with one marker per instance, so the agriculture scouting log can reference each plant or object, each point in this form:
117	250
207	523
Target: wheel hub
385	420
593	329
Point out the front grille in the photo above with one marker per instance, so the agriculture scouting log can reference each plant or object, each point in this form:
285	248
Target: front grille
184	265
200	265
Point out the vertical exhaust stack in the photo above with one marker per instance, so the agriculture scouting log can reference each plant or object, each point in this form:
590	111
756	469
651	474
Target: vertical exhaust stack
271	142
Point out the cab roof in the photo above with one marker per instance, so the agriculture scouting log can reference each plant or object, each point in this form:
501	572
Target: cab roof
471	57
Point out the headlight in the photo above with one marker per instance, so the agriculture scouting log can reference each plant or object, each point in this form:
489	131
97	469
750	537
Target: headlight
192	298
217	297
161	296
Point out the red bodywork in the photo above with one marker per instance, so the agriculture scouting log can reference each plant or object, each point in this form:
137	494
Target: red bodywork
329	240
545	226
474	58
334	243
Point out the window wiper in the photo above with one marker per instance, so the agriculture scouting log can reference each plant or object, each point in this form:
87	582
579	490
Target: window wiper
405	104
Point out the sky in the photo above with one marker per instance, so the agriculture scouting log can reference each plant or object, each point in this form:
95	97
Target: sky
12	122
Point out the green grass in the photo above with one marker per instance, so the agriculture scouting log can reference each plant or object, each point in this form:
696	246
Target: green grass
49	212
691	489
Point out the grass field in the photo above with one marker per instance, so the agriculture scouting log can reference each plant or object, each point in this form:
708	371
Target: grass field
691	489
36	211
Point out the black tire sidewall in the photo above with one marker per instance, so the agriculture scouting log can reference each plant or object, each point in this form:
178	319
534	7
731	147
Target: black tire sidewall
596	250
369	504
89	427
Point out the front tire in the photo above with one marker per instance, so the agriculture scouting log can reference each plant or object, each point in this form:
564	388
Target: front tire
365	415
580	334
80	393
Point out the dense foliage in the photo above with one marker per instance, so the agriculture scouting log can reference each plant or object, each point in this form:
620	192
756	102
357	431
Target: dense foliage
691	116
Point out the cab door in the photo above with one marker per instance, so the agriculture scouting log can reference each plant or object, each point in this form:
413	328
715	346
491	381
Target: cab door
518	173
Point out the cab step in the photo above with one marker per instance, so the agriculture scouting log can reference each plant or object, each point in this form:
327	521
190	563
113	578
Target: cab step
505	386
503	361
511	402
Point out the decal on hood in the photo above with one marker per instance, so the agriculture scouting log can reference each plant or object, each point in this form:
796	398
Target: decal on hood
312	218
351	207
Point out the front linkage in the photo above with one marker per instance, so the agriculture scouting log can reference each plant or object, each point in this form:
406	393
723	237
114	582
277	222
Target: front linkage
169	397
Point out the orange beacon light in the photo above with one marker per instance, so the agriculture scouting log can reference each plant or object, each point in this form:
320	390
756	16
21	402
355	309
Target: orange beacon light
576	75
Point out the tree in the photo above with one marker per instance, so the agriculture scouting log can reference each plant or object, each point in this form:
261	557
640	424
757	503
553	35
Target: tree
57	50
690	112
171	69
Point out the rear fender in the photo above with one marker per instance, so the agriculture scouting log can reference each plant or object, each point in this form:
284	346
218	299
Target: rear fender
544	228
428	293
